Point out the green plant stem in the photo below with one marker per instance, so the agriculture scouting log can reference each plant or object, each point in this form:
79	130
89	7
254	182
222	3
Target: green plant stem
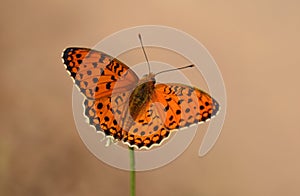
132	171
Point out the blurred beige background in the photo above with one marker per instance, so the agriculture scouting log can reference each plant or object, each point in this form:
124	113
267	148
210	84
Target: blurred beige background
256	45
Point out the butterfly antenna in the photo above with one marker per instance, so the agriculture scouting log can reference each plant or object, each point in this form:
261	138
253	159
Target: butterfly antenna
140	37
188	66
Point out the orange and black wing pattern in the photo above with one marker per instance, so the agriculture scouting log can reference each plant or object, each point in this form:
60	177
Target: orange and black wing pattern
96	73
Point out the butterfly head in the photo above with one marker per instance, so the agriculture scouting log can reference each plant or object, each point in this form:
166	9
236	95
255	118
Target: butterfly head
148	78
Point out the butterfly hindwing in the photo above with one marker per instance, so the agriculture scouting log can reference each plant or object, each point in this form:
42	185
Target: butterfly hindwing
148	128
107	117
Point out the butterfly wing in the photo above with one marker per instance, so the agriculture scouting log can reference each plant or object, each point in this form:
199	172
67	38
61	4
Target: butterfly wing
108	117
172	107
185	105
106	84
96	73
148	128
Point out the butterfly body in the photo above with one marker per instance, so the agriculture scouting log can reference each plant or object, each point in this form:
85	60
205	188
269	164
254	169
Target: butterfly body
139	112
141	95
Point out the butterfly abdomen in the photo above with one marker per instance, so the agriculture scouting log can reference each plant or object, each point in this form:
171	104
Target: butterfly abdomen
139	97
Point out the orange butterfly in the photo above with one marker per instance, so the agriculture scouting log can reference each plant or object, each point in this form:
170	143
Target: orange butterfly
138	112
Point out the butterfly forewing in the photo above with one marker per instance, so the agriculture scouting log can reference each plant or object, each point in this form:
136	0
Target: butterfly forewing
184	105
96	73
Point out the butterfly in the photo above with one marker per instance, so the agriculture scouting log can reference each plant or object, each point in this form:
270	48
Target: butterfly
140	112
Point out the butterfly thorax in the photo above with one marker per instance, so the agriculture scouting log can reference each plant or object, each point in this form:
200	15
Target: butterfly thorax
141	94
